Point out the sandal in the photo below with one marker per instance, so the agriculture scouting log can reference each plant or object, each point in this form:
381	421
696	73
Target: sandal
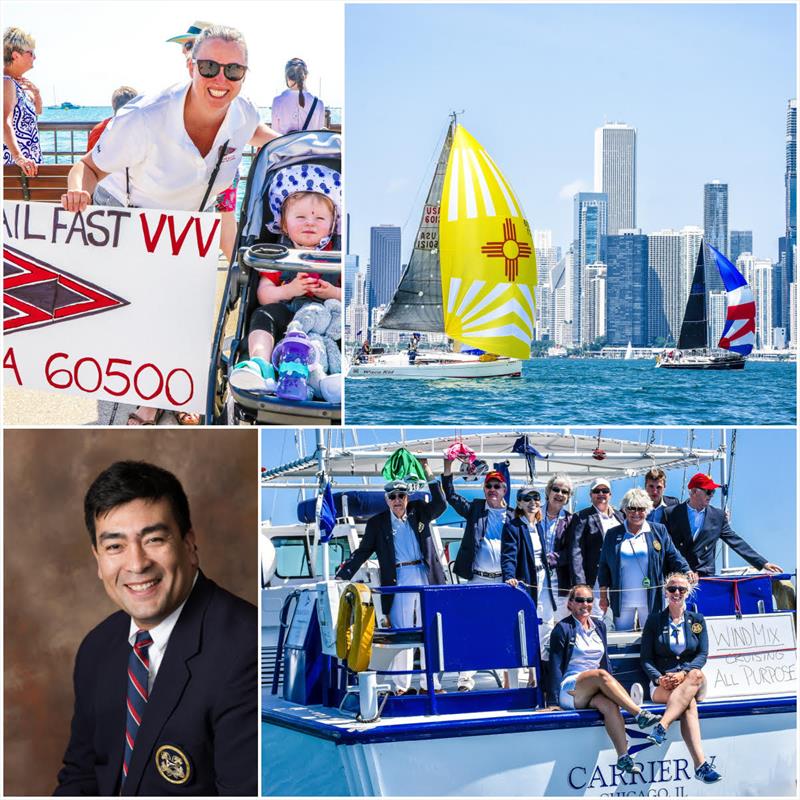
141	421
187	418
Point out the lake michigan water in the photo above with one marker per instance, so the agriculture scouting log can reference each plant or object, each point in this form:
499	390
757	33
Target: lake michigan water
563	391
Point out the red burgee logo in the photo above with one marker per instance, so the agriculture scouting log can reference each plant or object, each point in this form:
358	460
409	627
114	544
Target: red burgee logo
509	249
36	294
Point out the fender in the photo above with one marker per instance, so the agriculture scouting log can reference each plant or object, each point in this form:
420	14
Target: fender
355	627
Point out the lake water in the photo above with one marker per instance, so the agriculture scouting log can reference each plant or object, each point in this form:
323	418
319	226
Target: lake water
589	392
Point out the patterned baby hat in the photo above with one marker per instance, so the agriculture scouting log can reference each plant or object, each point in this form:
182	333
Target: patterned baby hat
304	178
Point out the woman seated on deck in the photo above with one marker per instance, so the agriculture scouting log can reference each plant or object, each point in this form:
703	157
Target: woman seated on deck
674	651
580	674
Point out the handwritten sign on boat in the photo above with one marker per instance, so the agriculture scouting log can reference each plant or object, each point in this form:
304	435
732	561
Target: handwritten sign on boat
752	656
111	303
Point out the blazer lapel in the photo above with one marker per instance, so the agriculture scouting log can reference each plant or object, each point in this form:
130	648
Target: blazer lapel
111	691
172	677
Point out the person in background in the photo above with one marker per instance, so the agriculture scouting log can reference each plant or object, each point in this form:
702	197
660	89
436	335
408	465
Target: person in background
674	651
295	109
401	539
523	560
655	481
588	529
580	674
633	562
22	103
479	555
121	97
696	526
554	525
226	201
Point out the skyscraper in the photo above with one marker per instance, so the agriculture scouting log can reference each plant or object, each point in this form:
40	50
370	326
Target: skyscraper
715	225
789	248
666	299
350	270
626	288
758	272
741	242
590	227
615	173
547	257
384	265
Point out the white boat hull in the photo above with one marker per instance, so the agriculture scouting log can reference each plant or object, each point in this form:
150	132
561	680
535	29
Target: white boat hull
436	366
754	751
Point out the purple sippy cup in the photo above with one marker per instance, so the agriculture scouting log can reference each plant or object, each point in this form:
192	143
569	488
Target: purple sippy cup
291	358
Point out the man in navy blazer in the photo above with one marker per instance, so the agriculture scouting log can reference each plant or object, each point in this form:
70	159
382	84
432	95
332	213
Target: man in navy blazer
655	482
696	526
197	731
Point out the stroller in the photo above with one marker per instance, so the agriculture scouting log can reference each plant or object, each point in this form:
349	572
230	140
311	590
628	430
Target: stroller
257	249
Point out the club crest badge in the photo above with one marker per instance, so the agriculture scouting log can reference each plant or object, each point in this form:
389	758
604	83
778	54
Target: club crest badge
172	764
420	526
697	628
656	544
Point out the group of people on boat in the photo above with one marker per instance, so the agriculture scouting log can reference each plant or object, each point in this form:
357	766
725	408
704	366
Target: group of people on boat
181	148
599	566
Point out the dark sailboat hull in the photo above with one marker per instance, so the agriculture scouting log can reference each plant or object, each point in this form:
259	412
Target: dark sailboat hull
728	361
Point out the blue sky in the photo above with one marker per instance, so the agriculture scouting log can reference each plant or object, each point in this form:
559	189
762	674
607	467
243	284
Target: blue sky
85	49
706	86
763	488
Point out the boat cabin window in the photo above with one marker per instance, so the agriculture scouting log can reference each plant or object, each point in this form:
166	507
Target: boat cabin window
294	553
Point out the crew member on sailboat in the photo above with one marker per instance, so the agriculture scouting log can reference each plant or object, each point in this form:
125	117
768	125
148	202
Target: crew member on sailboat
696	526
655	482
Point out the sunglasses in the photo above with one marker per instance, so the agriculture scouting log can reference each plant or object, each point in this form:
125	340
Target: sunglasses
210	69
559	490
677	589
187	46
526	498
397	495
601	491
709	492
493	485
636	510
583	599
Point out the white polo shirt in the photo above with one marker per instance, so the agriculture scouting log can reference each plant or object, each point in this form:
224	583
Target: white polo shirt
288	116
166	169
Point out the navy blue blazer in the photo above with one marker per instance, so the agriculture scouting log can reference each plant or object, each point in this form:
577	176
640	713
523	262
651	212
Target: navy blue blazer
657	514
562	643
585	541
379	539
662	558
656	656
517	556
204	705
701	552
476	514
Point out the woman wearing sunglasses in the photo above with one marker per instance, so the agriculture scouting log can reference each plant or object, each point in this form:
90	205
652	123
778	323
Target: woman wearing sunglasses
580	674
556	519
176	149
633	562
674	651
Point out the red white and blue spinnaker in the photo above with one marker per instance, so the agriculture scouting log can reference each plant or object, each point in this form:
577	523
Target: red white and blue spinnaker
739	333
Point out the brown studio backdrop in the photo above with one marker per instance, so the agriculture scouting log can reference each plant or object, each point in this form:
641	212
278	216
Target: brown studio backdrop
52	594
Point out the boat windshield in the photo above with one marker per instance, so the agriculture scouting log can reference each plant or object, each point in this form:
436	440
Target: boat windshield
294	556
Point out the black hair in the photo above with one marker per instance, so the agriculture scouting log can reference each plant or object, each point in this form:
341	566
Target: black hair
297	71
125	481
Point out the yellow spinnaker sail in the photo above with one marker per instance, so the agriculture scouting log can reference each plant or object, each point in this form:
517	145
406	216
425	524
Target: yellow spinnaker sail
486	255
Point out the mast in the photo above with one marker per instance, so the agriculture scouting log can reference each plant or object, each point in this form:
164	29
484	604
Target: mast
723	469
417	303
694	330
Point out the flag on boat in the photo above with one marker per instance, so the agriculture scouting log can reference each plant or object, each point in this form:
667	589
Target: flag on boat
487	260
739	333
326	515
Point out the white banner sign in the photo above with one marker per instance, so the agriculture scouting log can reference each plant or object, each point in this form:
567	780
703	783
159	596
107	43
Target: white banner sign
111	303
755	656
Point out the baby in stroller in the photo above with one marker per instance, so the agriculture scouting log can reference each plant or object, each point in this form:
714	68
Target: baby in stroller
305	200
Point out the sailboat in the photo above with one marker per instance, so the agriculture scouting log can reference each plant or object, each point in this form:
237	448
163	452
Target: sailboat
629	351
471	274
738	335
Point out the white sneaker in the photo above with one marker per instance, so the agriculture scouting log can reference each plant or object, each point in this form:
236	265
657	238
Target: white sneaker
250	375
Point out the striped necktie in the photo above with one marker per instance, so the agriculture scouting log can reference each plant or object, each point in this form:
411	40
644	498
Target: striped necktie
138	673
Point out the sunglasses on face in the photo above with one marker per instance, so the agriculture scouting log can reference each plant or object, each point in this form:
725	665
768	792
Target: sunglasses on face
526	498
583	599
677	590
210	69
634	510
559	490
709	492
494	485
397	495
601	491
187	46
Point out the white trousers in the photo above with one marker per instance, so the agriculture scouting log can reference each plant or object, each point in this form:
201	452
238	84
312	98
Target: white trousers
625	620
405	613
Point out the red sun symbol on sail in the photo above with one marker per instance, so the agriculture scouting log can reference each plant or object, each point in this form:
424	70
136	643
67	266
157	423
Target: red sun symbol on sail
509	249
